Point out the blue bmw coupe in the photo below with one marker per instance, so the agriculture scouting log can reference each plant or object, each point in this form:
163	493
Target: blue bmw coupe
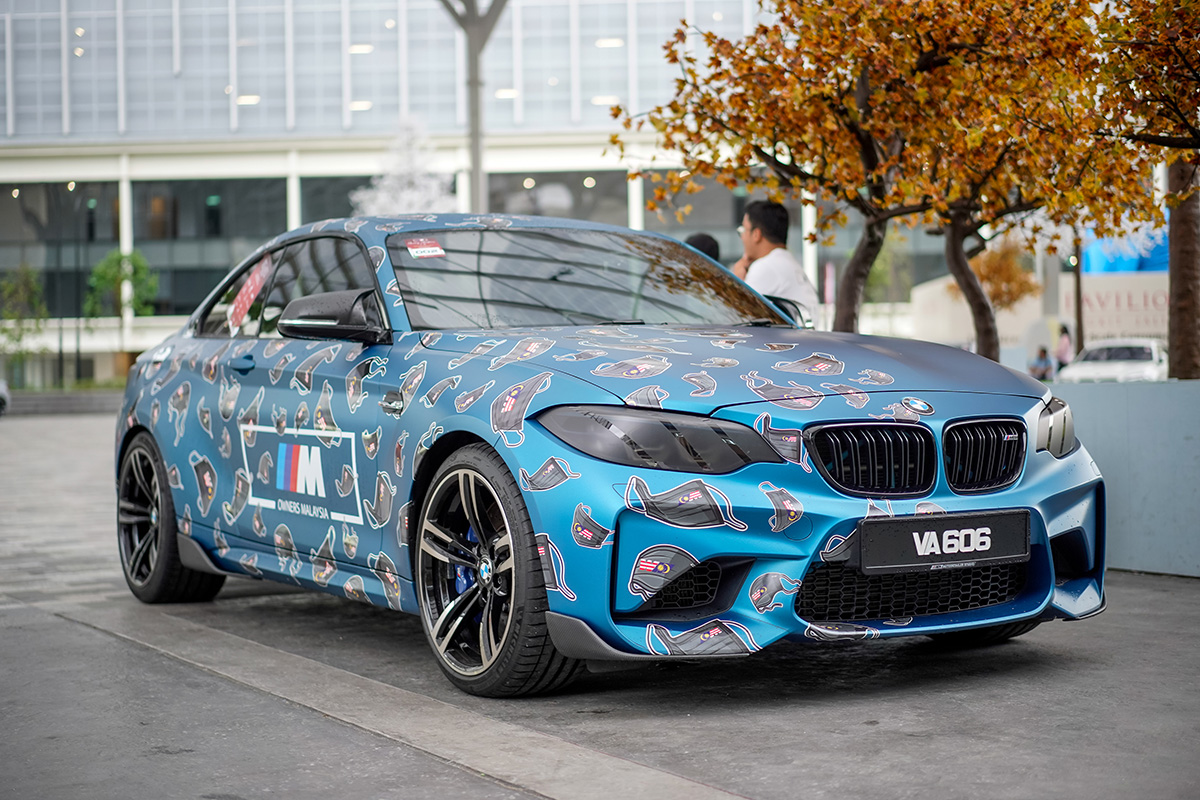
560	443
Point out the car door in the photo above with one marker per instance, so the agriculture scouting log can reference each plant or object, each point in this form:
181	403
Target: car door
315	441
204	400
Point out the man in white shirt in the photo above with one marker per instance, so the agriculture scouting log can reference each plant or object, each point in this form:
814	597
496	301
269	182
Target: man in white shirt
766	265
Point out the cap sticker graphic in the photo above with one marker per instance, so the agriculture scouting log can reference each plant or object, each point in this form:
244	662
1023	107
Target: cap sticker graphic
324	567
787	442
260	527
693	504
345	484
794	396
522	351
553	567
787	508
185	522
204	415
435	391
209	370
468	399
222	544
775	347
657	566
553	472
249	562
265	462
358	375
323	416
926	507
834	631
399	459
898	412
837	548
717	361
379	512
582	355
354	589
301	415
206	481
705	385
279	419
647	396
875	511
479	349
241	492
853	397
872	377
815	364
409	383
716	638
225	449
302	378
508	409
766	587
349	541
385	570
586	531
425	442
273	347
177	408
248	419
155	410
424	341
631	368
173	478
230	389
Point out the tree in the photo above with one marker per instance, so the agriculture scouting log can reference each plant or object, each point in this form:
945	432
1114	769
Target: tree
1004	279
477	25
1153	76
406	184
23	310
899	110
104	297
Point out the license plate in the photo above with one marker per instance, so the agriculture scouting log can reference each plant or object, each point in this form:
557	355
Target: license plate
943	541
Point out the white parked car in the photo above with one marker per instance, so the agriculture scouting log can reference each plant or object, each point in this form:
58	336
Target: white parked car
1118	360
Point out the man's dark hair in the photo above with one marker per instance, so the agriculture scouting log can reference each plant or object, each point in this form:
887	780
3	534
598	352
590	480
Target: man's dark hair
769	217
705	244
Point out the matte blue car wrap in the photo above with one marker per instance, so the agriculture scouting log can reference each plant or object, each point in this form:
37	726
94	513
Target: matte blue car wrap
283	463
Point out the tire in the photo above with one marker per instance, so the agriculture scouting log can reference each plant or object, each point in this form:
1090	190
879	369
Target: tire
479	582
980	637
146	532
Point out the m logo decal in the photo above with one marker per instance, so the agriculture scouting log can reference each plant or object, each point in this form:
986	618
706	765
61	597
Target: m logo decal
300	470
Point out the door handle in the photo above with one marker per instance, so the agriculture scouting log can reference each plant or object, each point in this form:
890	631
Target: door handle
242	364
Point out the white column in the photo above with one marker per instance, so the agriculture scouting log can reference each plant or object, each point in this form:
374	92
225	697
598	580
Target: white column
125	242
9	99
176	44
462	191
518	66
289	64
631	60
635	191
347	89
233	81
294	210
120	66
402	55
576	87
65	58
808	250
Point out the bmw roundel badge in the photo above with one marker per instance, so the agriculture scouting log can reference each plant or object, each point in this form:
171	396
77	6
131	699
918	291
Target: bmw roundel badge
917	406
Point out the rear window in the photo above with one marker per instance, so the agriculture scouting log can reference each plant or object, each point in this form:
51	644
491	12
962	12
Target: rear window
508	278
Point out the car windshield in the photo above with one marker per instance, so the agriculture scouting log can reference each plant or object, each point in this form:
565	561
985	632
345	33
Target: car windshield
560	276
1118	353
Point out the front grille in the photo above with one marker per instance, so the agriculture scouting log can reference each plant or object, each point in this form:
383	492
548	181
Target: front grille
837	593
877	460
696	587
983	455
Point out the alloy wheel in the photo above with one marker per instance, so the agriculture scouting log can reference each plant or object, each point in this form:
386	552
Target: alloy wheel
139	504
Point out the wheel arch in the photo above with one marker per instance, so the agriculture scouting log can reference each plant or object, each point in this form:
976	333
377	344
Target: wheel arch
126	439
442	449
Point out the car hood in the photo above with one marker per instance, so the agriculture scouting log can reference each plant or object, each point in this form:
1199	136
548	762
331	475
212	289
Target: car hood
701	369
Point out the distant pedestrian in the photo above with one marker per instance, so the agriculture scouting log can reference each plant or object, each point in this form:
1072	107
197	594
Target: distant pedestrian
766	264
1042	367
705	244
1064	352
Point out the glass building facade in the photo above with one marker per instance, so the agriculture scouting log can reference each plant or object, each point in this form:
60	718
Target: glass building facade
223	122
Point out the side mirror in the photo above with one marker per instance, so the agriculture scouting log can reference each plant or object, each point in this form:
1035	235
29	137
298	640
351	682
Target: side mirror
352	315
792	310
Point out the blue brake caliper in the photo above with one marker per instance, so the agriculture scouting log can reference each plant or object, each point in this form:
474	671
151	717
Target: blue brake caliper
464	577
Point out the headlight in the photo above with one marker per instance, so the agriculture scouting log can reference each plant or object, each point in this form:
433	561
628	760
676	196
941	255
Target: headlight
1056	429
657	439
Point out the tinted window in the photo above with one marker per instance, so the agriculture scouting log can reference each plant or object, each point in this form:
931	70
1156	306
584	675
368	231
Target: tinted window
238	309
312	266
486	279
1122	353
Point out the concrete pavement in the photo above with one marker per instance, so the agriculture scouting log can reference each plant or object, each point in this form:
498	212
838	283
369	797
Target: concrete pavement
268	691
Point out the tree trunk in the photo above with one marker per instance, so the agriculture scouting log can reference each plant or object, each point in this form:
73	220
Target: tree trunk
987	337
1183	248
854	279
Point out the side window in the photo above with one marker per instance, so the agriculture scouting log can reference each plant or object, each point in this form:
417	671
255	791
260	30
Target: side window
328	264
238	310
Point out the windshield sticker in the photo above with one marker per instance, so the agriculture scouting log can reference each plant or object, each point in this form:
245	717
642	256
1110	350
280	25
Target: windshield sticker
424	248
245	296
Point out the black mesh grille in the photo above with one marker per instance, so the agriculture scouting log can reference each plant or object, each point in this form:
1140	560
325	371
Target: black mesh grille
984	455
885	459
837	593
696	587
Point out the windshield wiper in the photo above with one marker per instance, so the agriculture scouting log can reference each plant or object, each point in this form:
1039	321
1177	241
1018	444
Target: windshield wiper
620	322
762	322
